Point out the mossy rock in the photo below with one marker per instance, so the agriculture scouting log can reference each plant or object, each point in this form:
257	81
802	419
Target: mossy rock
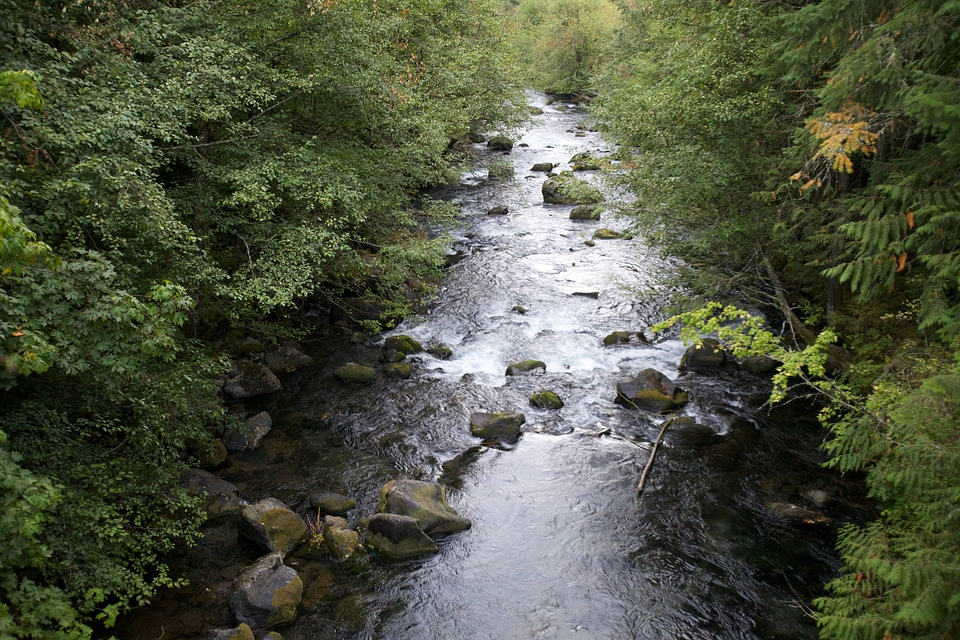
617	337
398	537
525	366
242	632
332	503
566	188
499	210
705	357
546	400
440	351
535	111
392	355
585	162
607	234
425	501
402	343
760	365
401	370
545	167
355	374
496	425
341	540
651	391
586	212
500	143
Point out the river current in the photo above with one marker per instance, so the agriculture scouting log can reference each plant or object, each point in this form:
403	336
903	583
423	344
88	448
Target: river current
561	545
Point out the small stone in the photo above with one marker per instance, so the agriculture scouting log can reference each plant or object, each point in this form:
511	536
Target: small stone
607	234
542	166
341	540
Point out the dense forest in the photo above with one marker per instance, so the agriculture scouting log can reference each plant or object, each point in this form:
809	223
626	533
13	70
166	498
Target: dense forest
175	177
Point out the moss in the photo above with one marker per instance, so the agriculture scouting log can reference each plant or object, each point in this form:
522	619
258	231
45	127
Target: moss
285	600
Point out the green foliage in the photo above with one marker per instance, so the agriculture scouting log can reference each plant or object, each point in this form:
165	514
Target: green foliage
563	44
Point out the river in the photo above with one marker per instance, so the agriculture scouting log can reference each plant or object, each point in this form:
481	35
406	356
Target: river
561	546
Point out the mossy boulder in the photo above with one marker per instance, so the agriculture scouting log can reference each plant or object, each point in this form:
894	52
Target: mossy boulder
425	501
355	373
796	513
392	355
526	366
704	357
498	425
586	212
341	540
402	343
546	400
500	143
401	370
545	167
607	234
242	632
440	351
585	162
760	365
266	593
651	391
272	525
568	189
398	537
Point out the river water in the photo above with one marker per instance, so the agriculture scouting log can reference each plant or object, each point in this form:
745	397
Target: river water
561	546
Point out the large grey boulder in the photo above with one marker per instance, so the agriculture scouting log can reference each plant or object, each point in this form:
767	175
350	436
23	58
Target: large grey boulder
398	537
272	525
249	433
496	425
704	357
286	359
252	379
651	391
425	501
266	593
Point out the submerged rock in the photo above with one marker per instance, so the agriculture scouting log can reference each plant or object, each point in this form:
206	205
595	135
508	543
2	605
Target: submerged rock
398	537
651	391
525	366
795	513
425	501
607	234
332	503
266	593
498	425
272	525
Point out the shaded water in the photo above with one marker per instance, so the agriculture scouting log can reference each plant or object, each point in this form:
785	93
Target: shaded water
561	544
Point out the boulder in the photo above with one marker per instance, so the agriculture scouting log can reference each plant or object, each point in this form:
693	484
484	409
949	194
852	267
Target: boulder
272	525
242	632
220	498
440	351
617	337
341	540
499	210
525	366
212	456
500	143
252	379
546	167
546	400
398	537
332	503
651	391
402	343
401	370
286	359
425	501
249	433
585	162
707	356
499	425
567	189
392	355
607	234
355	373
795	513
586	212
266	593
760	365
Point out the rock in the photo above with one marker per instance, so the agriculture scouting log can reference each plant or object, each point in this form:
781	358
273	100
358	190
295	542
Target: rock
519	309
500	143
402	370
272	525
212	457
585	162
618	337
499	425
358	337
546	167
355	373
252	379
586	294
651	391
688	432
425	501
266	593
248	435
341	540
586	212
243	632
759	365
402	343
392	355
819	497
287	359
567	189
796	513
546	400
332	503
221	498
707	356
398	537
607	234
535	111
499	210
525	366
440	351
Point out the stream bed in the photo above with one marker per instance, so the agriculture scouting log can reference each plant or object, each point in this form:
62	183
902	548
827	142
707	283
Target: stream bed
561	545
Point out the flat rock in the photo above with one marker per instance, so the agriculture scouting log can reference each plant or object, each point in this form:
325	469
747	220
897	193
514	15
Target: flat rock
425	501
266	593
249	433
651	391
272	525
398	537
496	425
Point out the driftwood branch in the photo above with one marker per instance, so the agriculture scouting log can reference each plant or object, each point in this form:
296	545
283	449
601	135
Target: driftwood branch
653	452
